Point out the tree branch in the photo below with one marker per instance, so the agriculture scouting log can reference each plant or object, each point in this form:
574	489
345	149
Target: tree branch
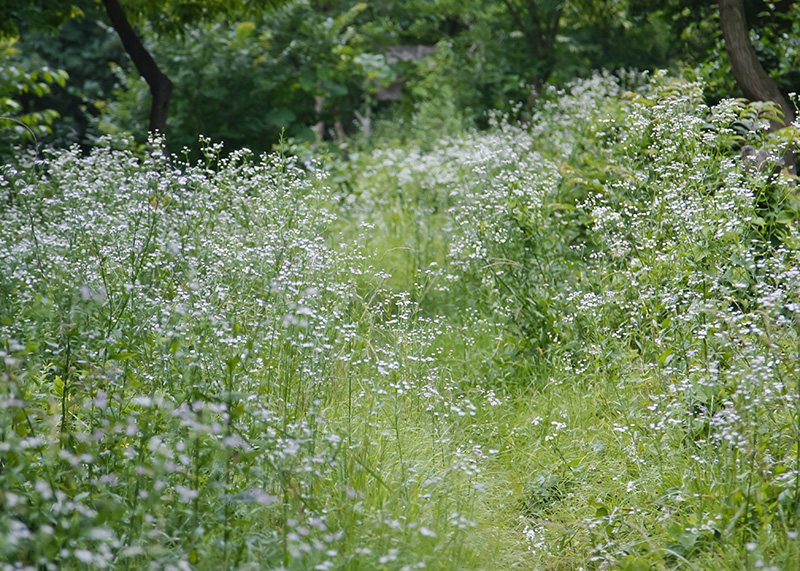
160	85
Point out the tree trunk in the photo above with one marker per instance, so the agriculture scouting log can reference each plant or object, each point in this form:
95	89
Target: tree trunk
753	80
160	85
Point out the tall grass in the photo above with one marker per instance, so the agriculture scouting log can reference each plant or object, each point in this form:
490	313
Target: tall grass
198	372
566	345
649	281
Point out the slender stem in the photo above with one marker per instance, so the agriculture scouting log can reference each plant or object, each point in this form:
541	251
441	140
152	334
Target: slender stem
797	435
65	390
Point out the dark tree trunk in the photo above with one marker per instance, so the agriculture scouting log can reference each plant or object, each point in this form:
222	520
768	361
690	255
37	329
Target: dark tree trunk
160	85
753	80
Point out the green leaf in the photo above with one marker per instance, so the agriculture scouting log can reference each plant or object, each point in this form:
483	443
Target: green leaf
122	356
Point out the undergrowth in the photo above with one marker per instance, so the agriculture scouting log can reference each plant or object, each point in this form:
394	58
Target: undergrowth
565	345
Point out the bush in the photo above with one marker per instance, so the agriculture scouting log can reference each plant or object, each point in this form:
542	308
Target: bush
649	279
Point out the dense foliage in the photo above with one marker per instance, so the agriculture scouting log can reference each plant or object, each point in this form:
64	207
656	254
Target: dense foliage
474	313
247	83
566	345
245	76
17	82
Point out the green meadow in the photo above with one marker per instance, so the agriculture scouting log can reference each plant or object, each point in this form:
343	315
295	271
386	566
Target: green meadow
566	344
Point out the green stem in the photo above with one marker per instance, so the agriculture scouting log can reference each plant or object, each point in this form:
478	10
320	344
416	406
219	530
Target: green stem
65	391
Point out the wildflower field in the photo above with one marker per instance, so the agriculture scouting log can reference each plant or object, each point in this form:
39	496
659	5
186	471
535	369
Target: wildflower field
570	344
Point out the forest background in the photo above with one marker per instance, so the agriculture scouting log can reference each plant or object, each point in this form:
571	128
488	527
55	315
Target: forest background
318	71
